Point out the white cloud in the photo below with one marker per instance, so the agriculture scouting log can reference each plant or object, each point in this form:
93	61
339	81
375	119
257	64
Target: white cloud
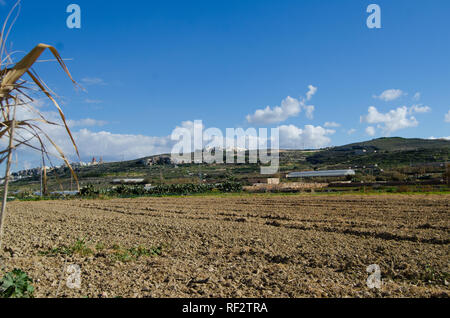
93	81
119	146
309	111
390	95
332	124
292	137
370	131
312	91
103	143
88	122
419	109
25	113
395	119
93	101
89	143
351	131
188	124
447	117
441	138
290	107
417	96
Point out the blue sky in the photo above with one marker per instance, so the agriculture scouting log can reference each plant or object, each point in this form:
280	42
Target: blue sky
148	66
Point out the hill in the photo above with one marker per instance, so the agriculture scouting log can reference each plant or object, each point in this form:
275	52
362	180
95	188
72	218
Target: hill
400	144
386	154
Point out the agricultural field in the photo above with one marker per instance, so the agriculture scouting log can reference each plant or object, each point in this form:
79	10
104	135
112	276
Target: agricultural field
233	245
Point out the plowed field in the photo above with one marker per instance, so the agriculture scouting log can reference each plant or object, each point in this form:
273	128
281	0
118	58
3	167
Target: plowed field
233	246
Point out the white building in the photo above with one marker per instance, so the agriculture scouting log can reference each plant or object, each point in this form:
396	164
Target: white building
323	173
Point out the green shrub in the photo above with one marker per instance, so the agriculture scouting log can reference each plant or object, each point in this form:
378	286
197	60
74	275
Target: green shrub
170	189
230	186
79	247
16	284
89	190
134	253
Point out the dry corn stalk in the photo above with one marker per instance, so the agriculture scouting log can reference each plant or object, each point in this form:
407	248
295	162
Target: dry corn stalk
15	93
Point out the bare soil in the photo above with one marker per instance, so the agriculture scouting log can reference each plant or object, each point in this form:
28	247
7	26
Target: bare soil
233	246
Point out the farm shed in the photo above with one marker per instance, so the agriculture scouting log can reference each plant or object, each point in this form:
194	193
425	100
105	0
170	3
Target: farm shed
323	173
273	181
128	181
